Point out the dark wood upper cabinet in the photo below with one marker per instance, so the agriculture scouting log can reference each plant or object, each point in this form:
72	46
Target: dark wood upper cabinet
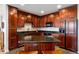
35	20
12	15
43	21
29	18
24	17
51	18
21	19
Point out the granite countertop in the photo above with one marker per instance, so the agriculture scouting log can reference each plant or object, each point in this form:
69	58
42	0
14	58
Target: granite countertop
41	29
39	39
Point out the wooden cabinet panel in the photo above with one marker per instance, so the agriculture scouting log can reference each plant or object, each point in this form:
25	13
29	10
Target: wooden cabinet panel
68	41
35	21
12	43
39	46
12	39
21	19
12	27
74	43
50	18
62	39
71	38
30	47
43	21
29	18
71	42
12	32
46	46
12	17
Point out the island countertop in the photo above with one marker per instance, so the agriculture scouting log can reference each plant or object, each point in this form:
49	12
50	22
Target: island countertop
38	39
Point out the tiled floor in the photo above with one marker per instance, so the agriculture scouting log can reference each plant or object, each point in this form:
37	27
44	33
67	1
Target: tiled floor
57	51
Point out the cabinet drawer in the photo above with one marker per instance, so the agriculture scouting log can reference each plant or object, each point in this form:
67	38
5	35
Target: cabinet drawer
46	46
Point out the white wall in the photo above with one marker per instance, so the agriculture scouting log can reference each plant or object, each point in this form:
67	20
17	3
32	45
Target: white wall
0	15
5	29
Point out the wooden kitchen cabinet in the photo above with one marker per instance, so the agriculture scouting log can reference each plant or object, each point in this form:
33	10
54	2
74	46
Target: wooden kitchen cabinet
71	34
29	18
39	46
21	19
62	39
51	18
47	19
74	43
35	21
30	47
71	43
68	42
46	46
12	17
12	11
43	21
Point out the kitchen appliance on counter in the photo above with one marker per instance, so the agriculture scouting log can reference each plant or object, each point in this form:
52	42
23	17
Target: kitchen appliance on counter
48	24
61	30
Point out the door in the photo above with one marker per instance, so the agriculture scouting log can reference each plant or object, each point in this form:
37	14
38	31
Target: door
71	35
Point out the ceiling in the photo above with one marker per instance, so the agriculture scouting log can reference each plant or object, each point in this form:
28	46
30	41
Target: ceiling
37	8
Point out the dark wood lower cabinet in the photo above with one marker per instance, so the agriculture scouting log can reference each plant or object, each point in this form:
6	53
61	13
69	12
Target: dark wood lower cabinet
12	43
39	46
12	39
71	42
62	39
74	43
68	42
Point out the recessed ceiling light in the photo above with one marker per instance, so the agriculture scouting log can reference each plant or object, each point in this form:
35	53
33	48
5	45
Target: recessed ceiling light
51	15
22	4
59	6
64	10
42	11
29	16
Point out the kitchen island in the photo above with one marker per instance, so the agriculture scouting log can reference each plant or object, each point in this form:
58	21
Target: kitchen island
39	43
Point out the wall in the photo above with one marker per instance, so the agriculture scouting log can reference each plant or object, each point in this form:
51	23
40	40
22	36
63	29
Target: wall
5	29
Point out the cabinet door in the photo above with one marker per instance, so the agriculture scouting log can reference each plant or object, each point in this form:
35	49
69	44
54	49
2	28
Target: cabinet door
68	41
35	21
62	39
50	18
29	18
30	46
21	19
46	46
12	39
13	43
12	17
43	21
12	27
74	43
71	39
